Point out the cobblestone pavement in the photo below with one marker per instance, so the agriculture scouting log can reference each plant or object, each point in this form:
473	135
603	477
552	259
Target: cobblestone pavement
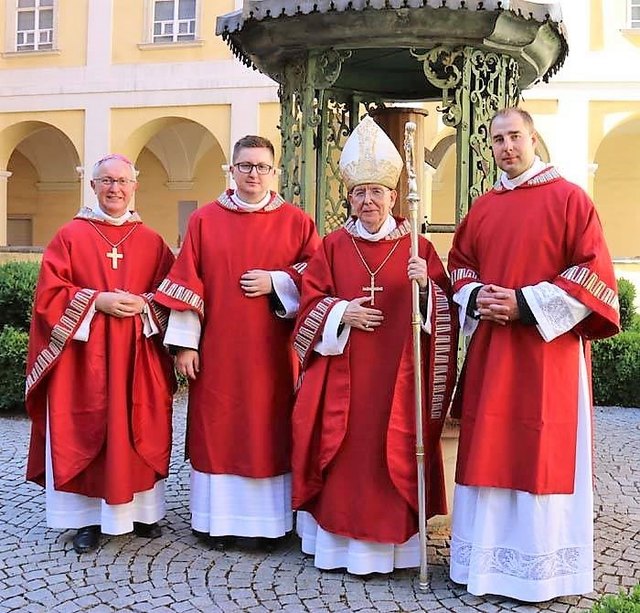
39	571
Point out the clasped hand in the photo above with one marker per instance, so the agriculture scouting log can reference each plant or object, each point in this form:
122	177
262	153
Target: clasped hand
497	304
369	318
119	303
256	283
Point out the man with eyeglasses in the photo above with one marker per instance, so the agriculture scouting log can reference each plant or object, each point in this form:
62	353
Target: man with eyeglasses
233	294
354	458
99	380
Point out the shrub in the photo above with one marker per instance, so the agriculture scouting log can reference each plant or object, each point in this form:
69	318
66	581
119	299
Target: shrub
622	603
17	286
626	296
13	358
616	370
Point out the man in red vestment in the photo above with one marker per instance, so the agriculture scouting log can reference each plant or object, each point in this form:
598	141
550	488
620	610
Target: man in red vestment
534	281
233	293
99	381
354	462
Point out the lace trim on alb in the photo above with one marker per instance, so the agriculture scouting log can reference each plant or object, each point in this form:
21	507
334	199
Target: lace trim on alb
514	563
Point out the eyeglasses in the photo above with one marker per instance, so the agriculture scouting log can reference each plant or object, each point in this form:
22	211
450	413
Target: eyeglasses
108	181
245	168
376	193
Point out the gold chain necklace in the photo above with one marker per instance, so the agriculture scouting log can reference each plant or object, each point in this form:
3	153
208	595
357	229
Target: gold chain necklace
372	289
114	255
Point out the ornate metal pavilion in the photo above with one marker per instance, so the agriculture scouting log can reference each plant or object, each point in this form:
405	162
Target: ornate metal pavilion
335	59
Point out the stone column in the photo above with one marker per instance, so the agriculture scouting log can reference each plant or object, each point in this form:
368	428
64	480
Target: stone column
97	118
4	177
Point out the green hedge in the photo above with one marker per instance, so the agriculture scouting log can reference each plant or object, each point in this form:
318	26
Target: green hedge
616	360
622	603
17	285
13	358
616	370
626	297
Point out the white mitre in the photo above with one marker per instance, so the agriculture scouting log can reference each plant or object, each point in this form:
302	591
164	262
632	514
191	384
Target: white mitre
369	156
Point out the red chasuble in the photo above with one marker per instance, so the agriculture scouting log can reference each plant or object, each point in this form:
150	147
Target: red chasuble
239	417
518	394
109	399
354	462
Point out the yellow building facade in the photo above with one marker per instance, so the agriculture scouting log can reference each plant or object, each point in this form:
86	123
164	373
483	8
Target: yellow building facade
149	79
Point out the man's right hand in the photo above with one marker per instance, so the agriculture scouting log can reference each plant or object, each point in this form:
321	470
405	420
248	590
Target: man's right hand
188	363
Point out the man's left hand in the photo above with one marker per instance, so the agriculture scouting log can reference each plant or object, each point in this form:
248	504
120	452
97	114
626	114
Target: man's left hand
417	271
256	283
497	304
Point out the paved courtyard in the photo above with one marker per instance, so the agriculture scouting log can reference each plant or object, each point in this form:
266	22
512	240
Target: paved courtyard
39	571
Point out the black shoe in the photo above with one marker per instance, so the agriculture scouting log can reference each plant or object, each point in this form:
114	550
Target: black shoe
149	531
221	543
269	545
214	542
201	536
86	539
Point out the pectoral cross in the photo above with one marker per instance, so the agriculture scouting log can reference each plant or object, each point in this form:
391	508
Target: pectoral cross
114	256
372	289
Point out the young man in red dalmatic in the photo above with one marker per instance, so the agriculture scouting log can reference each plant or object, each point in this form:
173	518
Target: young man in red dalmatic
99	381
233	293
534	280
355	479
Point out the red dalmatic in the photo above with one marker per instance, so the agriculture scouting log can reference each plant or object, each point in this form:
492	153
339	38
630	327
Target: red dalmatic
518	395
239	418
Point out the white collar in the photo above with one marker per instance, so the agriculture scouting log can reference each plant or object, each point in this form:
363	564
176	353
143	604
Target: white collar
536	167
116	221
250	206
388	226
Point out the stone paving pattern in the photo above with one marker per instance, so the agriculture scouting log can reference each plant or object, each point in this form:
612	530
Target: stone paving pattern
39	571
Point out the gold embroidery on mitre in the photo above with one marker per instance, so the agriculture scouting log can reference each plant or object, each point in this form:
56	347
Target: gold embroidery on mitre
375	159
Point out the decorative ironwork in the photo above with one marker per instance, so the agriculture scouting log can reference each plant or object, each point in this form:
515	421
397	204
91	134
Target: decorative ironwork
315	122
332	195
291	130
475	84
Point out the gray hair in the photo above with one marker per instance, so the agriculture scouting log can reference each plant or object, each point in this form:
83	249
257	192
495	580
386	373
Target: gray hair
114	156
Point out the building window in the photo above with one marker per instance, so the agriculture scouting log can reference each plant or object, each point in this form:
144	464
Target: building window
34	25
634	14
174	21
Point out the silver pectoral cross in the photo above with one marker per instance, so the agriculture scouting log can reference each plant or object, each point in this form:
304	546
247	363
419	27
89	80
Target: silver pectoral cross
114	256
372	289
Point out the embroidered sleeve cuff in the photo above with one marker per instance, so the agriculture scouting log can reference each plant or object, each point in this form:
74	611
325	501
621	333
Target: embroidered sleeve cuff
183	330
287	296
149	326
526	315
425	307
335	333
468	323
555	311
84	329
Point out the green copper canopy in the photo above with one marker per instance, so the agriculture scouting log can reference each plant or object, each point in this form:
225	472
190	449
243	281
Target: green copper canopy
378	36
